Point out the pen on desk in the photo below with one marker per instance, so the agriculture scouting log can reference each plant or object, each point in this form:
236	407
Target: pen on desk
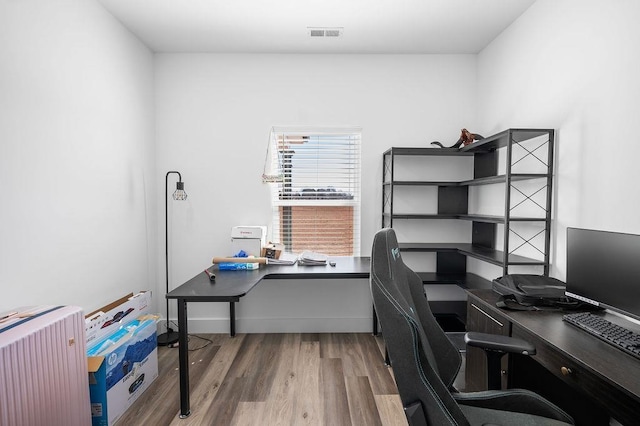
211	275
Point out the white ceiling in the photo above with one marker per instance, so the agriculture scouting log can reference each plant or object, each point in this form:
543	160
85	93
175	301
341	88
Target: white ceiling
281	26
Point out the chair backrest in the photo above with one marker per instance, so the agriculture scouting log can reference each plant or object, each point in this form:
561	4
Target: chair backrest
423	359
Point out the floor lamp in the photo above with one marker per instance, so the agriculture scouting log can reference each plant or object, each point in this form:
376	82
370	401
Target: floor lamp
170	337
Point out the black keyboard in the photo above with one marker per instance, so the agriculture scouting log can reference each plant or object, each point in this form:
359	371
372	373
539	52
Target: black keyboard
611	333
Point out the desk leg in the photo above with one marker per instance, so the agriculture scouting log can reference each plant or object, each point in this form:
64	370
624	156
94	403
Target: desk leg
232	319
183	359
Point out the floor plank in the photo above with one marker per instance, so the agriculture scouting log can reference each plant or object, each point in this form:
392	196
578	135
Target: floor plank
307	405
275	379
205	387
249	414
158	404
390	410
381	379
346	347
279	409
334	392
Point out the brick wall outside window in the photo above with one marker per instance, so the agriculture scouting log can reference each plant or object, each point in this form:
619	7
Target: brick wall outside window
323	229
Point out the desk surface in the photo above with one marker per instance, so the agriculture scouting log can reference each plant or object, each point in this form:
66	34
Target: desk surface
611	365
229	286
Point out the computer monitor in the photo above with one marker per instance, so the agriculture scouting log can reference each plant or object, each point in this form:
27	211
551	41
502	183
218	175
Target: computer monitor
603	269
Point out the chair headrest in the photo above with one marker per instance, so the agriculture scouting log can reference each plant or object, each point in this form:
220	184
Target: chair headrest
385	256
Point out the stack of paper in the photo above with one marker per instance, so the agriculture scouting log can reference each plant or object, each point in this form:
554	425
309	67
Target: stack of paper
284	259
309	258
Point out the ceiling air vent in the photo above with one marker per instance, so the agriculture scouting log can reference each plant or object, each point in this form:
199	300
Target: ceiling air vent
325	32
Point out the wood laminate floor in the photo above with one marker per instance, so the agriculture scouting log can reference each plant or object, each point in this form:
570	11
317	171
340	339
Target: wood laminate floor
275	379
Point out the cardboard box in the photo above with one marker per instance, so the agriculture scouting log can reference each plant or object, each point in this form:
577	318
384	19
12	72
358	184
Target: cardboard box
272	250
123	363
108	319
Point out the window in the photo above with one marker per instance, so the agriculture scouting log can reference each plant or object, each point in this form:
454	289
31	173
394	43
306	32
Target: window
316	199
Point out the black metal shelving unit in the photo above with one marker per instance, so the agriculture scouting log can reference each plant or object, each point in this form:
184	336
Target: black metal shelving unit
522	148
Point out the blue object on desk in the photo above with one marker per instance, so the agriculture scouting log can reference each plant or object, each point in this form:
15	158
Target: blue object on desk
237	266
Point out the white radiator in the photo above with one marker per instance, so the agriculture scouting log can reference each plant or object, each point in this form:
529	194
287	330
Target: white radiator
43	367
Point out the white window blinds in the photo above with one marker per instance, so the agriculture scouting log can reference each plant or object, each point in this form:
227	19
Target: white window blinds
316	201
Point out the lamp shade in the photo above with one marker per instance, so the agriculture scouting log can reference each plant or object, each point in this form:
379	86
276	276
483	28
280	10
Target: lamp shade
179	194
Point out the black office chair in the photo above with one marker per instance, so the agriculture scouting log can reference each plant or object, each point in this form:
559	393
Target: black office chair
425	362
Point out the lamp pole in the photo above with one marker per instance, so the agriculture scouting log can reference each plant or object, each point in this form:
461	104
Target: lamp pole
171	336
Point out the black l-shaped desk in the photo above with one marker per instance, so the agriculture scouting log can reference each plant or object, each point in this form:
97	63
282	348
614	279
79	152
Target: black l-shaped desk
230	286
596	370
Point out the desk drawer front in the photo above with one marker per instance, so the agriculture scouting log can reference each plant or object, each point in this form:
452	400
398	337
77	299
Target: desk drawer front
608	397
561	366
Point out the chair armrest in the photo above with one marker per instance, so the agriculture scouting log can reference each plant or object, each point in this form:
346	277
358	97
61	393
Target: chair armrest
497	342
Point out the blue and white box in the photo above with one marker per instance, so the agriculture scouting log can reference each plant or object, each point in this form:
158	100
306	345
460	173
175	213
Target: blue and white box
121	367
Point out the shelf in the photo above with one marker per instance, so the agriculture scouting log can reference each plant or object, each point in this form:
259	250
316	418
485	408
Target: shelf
426	151
492	256
527	219
498	219
466	281
434	216
496	256
471	217
420	183
472	182
503	179
487	144
502	139
428	247
421	216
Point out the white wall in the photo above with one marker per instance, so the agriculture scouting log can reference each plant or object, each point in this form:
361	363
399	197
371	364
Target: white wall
214	113
77	165
573	65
